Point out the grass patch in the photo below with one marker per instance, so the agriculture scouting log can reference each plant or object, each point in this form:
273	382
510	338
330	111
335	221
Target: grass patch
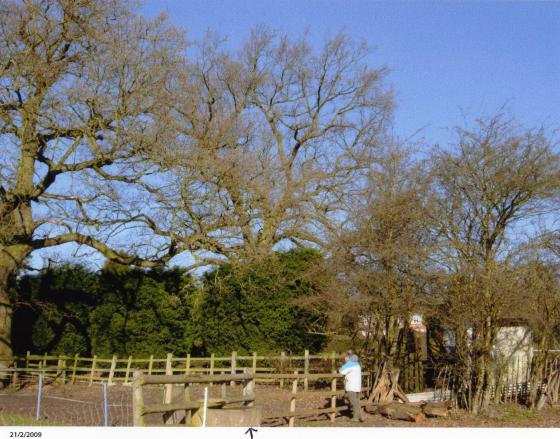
7	419
515	413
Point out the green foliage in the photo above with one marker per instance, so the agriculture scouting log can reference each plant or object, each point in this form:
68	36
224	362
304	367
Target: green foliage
140	313
52	311
252	307
119	310
128	311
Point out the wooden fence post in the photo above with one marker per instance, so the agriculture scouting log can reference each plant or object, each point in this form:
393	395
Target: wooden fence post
112	370
407	374
64	372
254	362
233	366
211	366
169	364
93	361
128	365
15	379
150	365
58	372
420	374
137	400
333	398
169	387
293	399
249	388
27	359
224	386
282	367
186	398
74	367
306	369
517	380
333	385
188	365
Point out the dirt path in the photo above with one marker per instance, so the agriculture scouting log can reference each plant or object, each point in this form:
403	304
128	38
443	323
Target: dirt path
508	416
82	405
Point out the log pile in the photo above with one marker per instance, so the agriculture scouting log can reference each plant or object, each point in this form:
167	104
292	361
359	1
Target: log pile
414	412
389	399
434	409
386	387
403	412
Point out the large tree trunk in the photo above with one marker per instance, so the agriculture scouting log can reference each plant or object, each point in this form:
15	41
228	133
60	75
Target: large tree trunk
5	315
16	232
478	385
11	258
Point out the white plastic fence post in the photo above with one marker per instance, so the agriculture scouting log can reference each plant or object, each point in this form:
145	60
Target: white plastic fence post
39	394
205	406
105	406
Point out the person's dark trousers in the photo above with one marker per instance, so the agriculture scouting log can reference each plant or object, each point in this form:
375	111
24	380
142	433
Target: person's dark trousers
354	398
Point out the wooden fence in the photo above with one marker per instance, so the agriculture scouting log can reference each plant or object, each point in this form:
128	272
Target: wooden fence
115	370
187	406
333	394
412	377
512	383
70	369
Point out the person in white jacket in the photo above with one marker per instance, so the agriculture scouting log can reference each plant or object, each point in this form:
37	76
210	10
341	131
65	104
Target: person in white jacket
352	372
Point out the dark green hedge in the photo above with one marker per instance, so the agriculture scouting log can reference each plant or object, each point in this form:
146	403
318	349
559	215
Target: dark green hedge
251	307
128	311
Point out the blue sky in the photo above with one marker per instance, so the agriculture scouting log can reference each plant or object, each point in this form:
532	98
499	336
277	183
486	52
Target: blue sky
446	58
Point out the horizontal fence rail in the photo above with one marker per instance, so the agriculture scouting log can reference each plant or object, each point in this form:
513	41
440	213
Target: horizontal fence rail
188	408
70	369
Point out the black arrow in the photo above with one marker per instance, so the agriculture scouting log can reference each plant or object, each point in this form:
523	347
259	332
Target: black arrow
250	431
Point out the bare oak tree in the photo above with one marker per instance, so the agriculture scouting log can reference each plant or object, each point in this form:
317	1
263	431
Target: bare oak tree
83	102
273	139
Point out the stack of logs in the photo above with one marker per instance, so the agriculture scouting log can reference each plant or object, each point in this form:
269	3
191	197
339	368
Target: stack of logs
415	412
390	400
386	387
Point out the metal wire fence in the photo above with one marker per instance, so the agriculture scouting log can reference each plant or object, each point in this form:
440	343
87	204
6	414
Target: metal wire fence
39	400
